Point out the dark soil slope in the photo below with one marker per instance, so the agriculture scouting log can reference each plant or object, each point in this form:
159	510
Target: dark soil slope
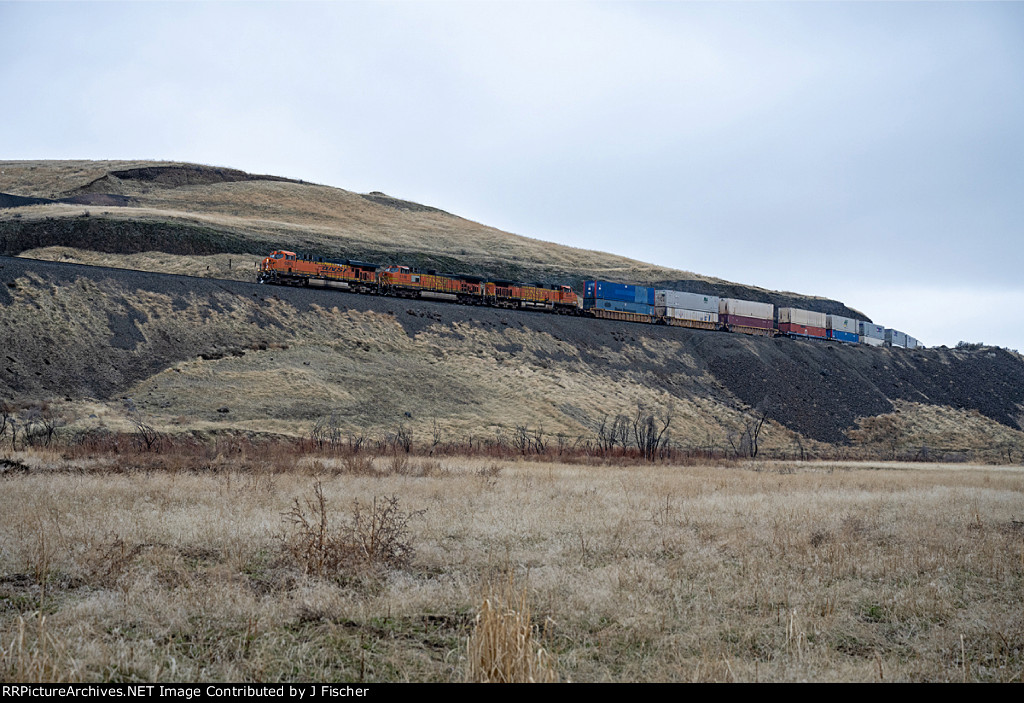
75	331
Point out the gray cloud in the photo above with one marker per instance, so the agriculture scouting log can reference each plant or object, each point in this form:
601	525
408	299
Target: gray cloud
827	147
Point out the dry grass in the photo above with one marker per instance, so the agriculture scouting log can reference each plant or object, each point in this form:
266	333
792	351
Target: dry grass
772	571
307	216
503	647
464	376
33	655
237	267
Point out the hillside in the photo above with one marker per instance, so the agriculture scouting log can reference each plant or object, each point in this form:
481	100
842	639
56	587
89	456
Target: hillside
208	350
198	354
105	210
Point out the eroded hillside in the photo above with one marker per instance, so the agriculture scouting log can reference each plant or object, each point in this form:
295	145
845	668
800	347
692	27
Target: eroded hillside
196	353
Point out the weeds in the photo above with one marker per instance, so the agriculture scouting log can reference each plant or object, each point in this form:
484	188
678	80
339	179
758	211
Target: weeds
377	536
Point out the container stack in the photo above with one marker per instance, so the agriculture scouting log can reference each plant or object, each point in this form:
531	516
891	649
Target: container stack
802	323
841	329
895	338
619	301
747	316
687	309
871	334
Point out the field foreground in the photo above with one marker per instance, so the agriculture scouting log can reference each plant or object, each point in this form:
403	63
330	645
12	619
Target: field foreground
236	570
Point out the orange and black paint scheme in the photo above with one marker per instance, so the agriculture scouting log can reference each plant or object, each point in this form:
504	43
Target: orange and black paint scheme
291	269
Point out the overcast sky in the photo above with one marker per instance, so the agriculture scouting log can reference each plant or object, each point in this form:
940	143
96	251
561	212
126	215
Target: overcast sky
870	152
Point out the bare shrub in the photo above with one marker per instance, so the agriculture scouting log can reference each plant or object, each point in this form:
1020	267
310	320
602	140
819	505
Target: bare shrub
650	439
39	421
358	465
745	441
399	439
615	434
490	471
313	544
504	646
376	536
381	532
326	434
431	467
147	436
6	419
399	465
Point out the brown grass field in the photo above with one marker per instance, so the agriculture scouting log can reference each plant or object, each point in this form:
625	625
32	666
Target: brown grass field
240	547
229	568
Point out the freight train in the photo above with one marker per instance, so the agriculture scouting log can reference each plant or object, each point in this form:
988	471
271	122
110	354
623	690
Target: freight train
601	299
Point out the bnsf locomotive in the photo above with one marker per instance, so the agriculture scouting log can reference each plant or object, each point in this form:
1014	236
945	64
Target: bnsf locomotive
289	268
601	299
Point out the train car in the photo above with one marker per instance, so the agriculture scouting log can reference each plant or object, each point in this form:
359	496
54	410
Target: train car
841	329
601	299
288	268
618	301
795	322
681	317
870	334
554	298
680	309
747	317
895	338
406	282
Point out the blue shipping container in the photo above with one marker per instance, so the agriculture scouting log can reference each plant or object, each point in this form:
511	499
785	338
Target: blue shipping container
841	336
618	306
604	290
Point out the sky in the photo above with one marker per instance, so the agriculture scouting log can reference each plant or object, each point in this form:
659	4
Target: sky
870	152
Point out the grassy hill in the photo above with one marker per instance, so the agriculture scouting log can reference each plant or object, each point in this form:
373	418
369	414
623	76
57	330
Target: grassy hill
108	209
227	354
214	355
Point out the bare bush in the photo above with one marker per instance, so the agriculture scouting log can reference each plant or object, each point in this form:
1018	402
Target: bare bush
6	418
376	536
39	422
746	440
615	434
358	465
650	440
381	531
326	434
146	436
399	439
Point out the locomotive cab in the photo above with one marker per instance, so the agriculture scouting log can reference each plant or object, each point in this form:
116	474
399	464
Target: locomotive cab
277	259
278	262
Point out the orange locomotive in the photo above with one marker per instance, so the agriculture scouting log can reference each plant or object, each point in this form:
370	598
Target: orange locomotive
288	268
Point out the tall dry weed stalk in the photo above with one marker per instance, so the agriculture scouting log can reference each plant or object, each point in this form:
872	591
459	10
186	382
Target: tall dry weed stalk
35	657
504	646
